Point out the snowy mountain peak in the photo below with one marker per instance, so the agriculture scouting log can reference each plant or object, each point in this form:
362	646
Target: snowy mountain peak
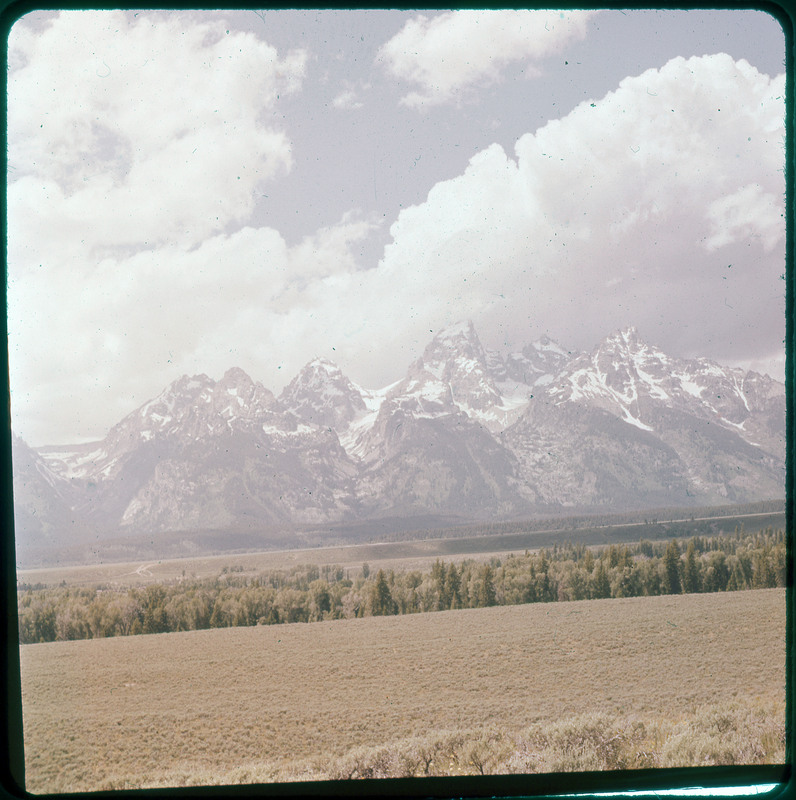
457	375
624	352
625	339
453	350
621	375
320	362
546	348
235	376
466	429
186	386
323	395
544	343
193	407
320	371
464	329
238	383
159	411
538	363
237	396
644	386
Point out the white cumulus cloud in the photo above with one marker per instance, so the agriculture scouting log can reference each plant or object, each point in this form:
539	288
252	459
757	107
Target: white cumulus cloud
449	54
132	260
347	100
134	322
158	130
626	211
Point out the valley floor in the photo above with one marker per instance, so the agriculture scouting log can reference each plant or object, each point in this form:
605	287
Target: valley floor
689	679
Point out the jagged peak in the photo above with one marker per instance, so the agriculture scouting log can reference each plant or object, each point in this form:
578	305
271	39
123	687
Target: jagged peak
460	335
628	341
624	336
236	375
239	383
189	381
545	344
463	329
322	364
184	385
314	373
317	382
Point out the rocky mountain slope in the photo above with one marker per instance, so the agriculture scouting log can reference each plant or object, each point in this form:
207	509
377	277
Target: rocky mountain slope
467	432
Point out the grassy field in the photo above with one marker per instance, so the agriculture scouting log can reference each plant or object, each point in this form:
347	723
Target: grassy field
398	555
393	555
675	680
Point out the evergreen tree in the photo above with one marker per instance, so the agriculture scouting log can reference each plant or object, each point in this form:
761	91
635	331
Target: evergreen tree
762	573
737	580
601	584
438	575
578	584
692	574
452	584
485	595
717	574
382	602
671	562
625	584
544	590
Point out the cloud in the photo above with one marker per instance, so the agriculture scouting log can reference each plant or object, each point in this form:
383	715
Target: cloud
137	130
129	325
605	218
450	54
626	211
657	205
747	213
347	99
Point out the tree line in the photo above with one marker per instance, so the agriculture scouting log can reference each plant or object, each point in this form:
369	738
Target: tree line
312	593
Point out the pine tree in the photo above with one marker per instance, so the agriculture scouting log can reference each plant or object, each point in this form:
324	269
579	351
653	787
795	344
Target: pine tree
438	573
486	588
601	584
719	573
578	585
543	588
692	575
671	562
452	584
737	579
763	575
382	602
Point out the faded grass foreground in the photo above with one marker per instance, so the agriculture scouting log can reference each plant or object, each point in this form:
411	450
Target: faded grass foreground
602	684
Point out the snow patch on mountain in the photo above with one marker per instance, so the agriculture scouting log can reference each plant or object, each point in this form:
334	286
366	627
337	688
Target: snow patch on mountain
73	463
466	427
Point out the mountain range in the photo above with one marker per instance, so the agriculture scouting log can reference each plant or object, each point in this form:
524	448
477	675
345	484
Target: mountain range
467	433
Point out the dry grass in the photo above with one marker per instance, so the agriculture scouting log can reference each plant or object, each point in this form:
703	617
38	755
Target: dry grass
396	556
297	701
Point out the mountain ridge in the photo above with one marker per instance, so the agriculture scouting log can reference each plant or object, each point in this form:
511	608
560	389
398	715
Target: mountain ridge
467	431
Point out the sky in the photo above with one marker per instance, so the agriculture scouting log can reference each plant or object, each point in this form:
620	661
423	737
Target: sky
190	191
